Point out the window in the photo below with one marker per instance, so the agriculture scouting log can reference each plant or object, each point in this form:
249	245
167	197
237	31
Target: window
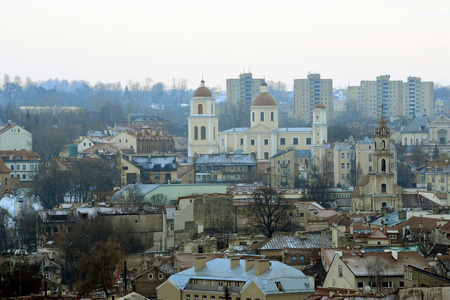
200	109
340	271
370	157
18	167
383	188
24	176
160	276
188	297
253	117
272	116
401	284
150	276
157	176
342	155
342	166
195	133
383	165
46	275
387	284
252	142
172	226
295	141
12	168
195	297
236	283
203	133
266	155
261	116
266	141
360	284
308	142
242	142
282	141
204	297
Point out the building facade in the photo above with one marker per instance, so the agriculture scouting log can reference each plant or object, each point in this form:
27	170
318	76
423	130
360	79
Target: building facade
23	164
392	98
309	92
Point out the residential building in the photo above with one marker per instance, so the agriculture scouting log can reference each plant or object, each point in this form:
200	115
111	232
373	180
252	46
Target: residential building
435	177
392	98
22	163
244	279
241	91
203	123
129	173
284	170
379	189
158	169
309	92
15	137
147	281
225	168
383	271
83	143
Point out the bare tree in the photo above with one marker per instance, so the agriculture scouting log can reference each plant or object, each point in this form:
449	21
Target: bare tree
158	201
269	211
376	269
132	195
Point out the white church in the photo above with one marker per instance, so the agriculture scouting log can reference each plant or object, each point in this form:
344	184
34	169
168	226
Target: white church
263	137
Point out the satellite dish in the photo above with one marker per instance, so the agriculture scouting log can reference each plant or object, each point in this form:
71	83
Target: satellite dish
367	289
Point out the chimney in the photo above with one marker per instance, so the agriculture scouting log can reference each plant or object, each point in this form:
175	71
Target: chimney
395	254
249	263
199	263
261	266
234	262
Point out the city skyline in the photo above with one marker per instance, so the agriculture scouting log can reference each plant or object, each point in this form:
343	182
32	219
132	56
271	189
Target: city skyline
110	41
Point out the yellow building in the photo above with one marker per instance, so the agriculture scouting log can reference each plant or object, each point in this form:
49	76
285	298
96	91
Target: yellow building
265	138
309	92
244	279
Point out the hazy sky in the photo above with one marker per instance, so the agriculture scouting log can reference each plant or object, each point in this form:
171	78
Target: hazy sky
110	41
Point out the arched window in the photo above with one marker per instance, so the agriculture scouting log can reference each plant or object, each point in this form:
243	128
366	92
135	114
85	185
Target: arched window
212	109
203	133
253	117
383	188
383	145
406	141
200	109
261	116
6	181
272	116
384	204
383	165
195	133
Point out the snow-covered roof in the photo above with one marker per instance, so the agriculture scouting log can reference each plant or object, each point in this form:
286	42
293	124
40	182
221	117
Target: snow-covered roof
291	279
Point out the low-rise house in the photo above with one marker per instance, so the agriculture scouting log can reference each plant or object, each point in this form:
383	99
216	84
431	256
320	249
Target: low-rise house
383	271
146	141
417	277
15	137
244	279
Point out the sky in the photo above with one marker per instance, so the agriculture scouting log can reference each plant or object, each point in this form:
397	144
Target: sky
109	41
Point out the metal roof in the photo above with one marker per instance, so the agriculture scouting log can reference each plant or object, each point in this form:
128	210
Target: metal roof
291	279
312	241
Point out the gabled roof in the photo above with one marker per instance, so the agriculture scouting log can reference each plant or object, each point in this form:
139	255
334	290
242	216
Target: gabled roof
3	167
419	124
292	280
391	267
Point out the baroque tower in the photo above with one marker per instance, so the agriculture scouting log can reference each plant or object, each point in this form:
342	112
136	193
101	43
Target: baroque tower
379	188
202	123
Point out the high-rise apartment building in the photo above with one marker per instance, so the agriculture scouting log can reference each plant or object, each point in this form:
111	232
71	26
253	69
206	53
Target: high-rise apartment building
392	99
309	92
244	89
